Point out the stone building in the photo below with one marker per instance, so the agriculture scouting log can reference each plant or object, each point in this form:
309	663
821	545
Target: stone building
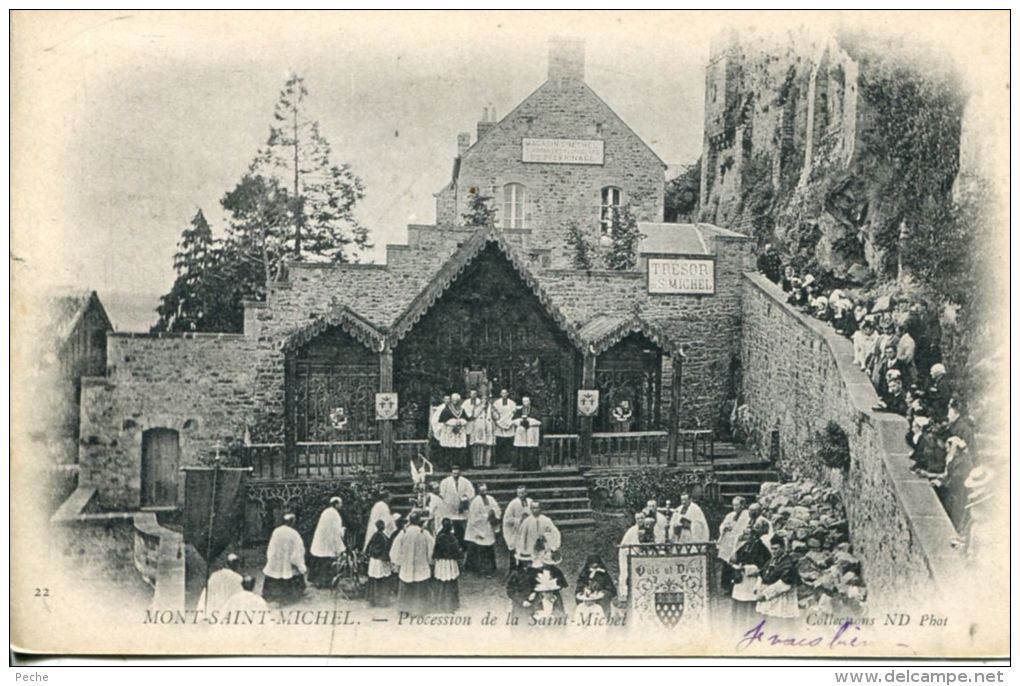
560	156
450	301
74	329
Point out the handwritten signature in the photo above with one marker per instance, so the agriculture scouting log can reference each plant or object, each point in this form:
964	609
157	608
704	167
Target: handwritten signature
845	636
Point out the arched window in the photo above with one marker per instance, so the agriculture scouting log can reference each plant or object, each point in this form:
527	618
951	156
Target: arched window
611	200
515	197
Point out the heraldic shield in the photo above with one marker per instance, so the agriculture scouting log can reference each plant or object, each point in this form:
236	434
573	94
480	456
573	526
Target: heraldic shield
587	402
669	607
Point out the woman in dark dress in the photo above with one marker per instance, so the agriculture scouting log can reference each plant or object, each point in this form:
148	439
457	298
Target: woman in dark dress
447	555
594	578
379	589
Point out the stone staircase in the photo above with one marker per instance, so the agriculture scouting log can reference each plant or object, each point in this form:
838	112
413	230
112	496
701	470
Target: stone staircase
740	472
563	493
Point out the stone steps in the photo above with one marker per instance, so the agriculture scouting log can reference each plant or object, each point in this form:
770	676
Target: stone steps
562	493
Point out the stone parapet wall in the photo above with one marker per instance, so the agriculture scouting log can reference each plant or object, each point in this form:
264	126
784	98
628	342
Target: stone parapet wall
797	375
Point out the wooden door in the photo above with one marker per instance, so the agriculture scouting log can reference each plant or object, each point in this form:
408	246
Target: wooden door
161	459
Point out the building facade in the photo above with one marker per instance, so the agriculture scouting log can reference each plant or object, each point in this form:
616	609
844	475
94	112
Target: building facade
560	156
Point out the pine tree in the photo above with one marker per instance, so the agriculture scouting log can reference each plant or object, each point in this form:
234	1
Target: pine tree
185	307
578	242
480	212
622	253
322	195
259	232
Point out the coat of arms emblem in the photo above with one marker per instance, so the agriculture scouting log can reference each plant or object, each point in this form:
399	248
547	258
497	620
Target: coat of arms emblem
587	402
669	607
385	406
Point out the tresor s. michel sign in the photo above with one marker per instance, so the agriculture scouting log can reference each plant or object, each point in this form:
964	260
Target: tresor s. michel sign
562	151
683	275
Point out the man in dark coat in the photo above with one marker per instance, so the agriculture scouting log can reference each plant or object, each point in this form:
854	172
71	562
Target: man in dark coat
769	263
939	392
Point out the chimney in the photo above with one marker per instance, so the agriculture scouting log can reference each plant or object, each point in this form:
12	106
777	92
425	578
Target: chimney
463	142
566	59
487	122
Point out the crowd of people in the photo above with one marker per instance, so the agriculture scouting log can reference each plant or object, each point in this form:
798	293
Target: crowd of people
485	432
897	345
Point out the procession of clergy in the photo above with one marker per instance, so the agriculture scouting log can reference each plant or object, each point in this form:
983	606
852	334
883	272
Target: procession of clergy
455	525
480	431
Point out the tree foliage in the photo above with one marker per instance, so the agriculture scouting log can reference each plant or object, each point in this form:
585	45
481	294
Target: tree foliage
624	236
581	249
322	195
681	203
480	212
293	203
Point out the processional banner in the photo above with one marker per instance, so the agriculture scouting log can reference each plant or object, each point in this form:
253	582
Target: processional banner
669	586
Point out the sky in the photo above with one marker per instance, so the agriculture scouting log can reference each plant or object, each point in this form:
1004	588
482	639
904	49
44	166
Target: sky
126	123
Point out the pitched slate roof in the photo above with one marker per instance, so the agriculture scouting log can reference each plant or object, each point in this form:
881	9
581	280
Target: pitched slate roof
457	263
603	331
347	320
66	308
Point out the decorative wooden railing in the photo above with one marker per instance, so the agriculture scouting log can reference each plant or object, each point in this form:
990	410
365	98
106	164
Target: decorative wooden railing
560	450
312	460
629	448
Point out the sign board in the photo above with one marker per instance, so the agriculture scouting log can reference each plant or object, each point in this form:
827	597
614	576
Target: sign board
587	402
385	406
668	586
681	275
562	151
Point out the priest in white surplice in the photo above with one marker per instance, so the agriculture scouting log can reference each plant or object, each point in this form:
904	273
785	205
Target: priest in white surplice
380	511
411	555
516	511
527	437
456	492
661	523
285	568
531	529
730	531
504	408
688	523
222	584
245	600
453	420
327	544
480	538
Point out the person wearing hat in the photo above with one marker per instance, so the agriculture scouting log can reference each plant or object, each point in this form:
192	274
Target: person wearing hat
453	438
929	455
980	534
526	437
285	568
596	585
959	423
221	585
327	544
865	339
894	399
776	590
546	580
950	485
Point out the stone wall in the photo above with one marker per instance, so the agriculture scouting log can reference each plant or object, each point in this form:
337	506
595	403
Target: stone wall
200	385
558	193
798	375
